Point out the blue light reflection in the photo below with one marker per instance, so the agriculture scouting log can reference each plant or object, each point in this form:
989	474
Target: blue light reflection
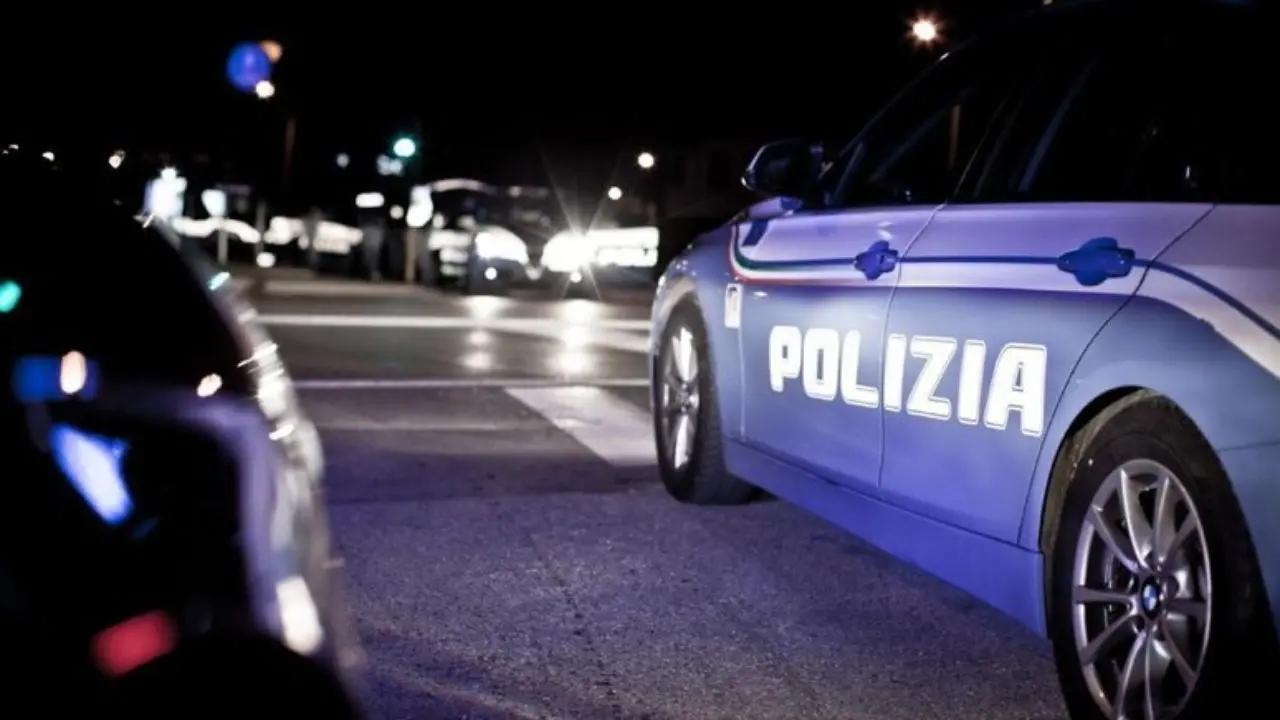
93	465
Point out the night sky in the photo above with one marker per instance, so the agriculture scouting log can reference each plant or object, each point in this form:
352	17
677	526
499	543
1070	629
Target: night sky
492	91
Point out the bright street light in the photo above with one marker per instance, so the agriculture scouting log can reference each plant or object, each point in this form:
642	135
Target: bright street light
272	50
645	160
615	193
404	148
925	30
116	159
264	89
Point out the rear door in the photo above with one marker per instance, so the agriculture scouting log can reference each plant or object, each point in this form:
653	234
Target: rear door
1001	294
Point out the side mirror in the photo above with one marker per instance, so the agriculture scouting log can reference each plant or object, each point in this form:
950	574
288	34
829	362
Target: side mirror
784	167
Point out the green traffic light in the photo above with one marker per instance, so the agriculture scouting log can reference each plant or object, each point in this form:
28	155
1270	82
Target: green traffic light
10	294
404	148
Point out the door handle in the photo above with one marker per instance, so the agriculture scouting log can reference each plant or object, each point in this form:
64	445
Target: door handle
1097	261
877	260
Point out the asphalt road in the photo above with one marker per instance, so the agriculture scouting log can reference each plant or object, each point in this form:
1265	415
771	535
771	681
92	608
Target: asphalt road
511	553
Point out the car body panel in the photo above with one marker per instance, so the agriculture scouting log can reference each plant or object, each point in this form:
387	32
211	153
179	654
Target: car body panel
1008	577
1202	332
980	284
802	289
699	276
1168	325
1005	576
1253	478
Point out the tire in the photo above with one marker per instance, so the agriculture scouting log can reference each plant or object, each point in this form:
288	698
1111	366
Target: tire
702	479
1147	435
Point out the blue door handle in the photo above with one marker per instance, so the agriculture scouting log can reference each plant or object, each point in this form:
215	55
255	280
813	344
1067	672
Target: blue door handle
877	260
1097	261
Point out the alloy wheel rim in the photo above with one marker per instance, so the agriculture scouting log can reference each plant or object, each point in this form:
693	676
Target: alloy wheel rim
680	398
1141	593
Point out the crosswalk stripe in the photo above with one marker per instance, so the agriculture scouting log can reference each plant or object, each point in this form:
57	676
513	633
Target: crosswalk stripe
612	428
337	288
581	335
446	323
428	425
462	383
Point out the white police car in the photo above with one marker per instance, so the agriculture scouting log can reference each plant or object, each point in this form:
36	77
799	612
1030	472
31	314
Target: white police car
1024	332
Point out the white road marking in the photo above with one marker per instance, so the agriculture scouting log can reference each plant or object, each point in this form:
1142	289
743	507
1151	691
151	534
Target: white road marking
448	323
612	428
613	339
320	288
442	425
462	383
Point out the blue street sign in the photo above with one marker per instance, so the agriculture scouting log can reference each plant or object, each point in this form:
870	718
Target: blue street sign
247	66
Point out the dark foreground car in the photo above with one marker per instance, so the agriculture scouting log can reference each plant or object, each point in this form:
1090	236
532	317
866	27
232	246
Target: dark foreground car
165	549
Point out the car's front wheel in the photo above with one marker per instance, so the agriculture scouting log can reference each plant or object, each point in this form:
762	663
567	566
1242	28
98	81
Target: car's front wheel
686	417
1157	607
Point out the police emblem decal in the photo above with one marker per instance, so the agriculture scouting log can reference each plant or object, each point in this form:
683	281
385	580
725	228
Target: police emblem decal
733	306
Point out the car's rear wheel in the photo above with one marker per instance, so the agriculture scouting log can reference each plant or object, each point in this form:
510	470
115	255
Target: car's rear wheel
1157	607
686	417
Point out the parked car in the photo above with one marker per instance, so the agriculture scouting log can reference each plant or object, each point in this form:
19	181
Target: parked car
1024	333
167	550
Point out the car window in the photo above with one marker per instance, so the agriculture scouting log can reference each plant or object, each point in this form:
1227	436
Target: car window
1107	140
995	173
1231	142
1172	116
919	147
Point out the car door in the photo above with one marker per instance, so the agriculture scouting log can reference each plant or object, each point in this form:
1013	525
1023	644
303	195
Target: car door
817	282
1003	291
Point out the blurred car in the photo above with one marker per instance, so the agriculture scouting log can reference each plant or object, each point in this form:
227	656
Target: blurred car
1023	333
166	551
478	258
484	238
622	255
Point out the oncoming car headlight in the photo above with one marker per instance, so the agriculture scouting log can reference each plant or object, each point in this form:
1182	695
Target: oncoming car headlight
567	252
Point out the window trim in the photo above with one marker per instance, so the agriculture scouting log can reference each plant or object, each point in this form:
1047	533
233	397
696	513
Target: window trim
853	154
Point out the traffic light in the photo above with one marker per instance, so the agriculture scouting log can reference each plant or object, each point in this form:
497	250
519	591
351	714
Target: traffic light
404	147
10	293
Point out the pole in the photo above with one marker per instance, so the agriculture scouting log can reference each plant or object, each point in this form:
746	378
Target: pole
290	137
222	244
410	235
261	223
410	253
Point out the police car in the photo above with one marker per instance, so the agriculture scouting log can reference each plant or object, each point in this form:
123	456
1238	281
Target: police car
1023	332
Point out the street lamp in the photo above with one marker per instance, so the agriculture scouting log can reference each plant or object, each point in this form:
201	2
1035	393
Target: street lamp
925	30
645	160
615	193
265	89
